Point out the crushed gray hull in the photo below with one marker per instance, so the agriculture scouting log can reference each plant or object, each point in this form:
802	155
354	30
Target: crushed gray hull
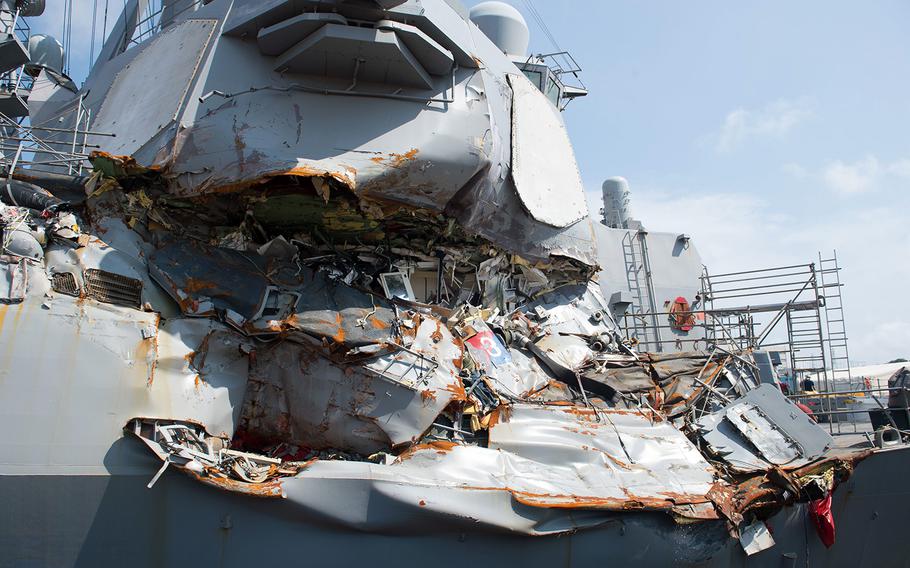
93	521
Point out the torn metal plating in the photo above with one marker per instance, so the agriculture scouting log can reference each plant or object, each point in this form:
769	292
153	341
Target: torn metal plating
476	373
417	365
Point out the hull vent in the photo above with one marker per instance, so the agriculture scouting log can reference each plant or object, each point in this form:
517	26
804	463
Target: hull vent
112	288
65	283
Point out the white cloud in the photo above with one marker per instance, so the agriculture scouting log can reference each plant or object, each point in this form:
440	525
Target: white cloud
795	170
858	177
773	120
891	337
900	168
731	230
851	178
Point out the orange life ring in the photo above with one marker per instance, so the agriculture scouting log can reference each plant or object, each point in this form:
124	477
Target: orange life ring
681	318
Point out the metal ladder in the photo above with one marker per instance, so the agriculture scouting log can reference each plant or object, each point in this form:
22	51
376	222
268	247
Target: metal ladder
807	347
806	338
633	259
835	323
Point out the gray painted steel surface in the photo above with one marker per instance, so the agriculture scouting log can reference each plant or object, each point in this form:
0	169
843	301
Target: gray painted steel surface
213	312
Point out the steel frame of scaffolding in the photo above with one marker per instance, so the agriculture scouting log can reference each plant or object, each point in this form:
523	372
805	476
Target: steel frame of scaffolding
41	148
740	311
807	297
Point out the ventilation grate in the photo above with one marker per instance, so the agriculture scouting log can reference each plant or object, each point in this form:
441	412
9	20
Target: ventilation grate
112	288
65	283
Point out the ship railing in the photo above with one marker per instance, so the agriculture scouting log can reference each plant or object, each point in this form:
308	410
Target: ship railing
21	28
16	80
14	24
831	411
560	62
560	82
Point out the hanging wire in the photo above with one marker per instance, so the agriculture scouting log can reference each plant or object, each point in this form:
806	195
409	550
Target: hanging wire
91	52
67	34
63	37
104	26
542	24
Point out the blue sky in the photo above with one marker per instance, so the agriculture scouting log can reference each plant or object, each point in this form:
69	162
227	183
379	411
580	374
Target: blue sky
768	131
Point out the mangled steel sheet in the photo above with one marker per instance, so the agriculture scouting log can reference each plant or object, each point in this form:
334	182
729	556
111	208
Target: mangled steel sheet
591	458
559	457
391	398
762	430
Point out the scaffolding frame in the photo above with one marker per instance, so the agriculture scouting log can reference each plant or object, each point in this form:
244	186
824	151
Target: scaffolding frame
803	302
807	299
47	148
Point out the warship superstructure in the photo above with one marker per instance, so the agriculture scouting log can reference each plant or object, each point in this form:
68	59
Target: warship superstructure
314	282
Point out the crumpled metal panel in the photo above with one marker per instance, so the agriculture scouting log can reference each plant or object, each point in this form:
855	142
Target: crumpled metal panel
206	281
433	352
395	499
625	377
297	395
447	148
756	537
604	455
512	372
204	367
543	163
569	315
13	279
773	444
568	350
573	309
202	278
671	365
548	469
681	375
490	205
762	430
340	313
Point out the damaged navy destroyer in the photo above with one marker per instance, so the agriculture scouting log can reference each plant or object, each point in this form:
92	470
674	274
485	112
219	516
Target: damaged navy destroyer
314	282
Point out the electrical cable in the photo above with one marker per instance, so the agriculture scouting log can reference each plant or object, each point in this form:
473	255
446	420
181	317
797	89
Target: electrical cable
91	51
104	26
542	24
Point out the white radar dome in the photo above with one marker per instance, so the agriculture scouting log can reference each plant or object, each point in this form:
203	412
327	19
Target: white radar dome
505	27
45	51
